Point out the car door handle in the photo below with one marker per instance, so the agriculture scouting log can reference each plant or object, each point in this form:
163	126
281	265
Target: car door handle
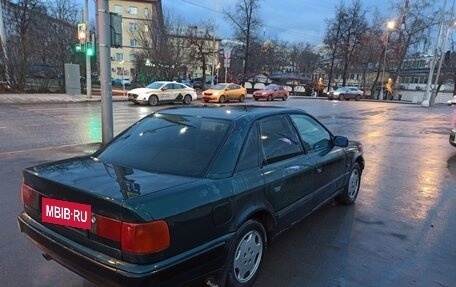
277	188
319	169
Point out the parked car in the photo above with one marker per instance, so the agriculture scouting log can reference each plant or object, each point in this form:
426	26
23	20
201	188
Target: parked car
452	101
162	92
186	193
126	82
225	92
271	92
452	138
346	93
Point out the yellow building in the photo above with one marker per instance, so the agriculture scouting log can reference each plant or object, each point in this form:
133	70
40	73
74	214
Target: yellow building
133	12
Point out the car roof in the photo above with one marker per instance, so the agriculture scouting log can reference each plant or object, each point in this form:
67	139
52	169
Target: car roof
228	112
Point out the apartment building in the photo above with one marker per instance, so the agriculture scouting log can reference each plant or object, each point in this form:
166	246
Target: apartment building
134	13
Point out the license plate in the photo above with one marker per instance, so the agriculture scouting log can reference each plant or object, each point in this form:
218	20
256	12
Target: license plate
66	213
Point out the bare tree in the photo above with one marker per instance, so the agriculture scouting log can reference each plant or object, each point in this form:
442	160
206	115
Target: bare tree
345	33
416	20
60	42
246	22
162	46
201	47
23	23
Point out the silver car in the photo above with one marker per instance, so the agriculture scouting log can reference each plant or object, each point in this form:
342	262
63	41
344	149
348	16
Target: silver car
346	93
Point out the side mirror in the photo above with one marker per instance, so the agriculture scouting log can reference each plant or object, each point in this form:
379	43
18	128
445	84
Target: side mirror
340	141
164	89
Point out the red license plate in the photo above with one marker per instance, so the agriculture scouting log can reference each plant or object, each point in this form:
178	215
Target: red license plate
66	213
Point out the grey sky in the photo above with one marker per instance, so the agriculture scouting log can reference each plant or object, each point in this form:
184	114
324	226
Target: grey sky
289	20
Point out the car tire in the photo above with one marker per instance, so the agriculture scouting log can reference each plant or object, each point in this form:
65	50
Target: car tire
256	99
351	189
270	98
241	98
246	254
222	99
341	97
358	97
153	100
284	98
187	99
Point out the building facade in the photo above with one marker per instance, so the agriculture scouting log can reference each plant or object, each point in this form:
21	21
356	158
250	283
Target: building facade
134	13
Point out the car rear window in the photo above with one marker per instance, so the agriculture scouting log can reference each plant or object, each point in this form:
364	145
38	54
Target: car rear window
172	144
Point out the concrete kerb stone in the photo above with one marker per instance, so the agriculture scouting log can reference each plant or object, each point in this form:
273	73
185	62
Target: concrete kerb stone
52	98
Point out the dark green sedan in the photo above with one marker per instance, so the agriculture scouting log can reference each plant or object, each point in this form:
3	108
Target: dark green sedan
187	194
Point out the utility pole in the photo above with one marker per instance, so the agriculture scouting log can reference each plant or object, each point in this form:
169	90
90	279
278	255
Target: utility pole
88	68
104	34
213	47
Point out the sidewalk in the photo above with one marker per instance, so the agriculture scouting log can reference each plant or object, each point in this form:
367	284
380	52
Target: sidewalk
53	98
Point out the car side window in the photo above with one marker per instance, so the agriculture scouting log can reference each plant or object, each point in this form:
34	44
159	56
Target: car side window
313	135
169	86
278	139
250	153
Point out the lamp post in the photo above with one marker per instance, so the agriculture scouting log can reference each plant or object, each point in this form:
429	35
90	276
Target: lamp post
123	82
389	26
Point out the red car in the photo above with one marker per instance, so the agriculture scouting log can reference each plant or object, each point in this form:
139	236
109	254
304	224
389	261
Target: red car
271	92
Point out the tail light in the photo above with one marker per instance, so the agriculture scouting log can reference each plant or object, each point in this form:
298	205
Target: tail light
29	196
136	238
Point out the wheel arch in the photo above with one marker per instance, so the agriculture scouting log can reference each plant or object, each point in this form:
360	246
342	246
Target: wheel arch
262	214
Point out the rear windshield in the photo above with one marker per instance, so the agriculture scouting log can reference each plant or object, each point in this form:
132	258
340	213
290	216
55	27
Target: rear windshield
171	144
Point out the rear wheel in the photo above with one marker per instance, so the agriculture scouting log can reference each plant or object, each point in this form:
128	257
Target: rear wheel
270	98
187	99
222	99
284	98
246	254
242	98
256	99
153	100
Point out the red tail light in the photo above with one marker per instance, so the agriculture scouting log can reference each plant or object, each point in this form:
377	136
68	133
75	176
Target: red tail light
29	196
137	238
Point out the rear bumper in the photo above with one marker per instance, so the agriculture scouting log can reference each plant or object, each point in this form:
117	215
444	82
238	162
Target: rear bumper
107	271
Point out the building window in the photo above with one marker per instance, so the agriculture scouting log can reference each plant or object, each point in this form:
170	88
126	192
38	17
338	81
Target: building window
132	57
146	12
133	43
133	10
133	27
119	57
118	9
146	28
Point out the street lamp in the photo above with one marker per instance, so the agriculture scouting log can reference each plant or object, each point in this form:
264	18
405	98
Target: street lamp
389	27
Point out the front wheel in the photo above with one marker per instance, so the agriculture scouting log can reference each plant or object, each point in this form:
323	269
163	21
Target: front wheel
341	97
358	97
222	99
284	98
187	99
241	98
153	100
350	192
246	254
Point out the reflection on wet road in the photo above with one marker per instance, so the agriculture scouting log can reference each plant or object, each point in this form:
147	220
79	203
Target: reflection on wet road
400	232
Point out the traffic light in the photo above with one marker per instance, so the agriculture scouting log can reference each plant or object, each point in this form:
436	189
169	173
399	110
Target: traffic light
90	51
80	48
82	32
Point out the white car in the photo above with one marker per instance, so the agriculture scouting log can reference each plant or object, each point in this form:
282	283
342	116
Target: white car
452	101
125	82
162	92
